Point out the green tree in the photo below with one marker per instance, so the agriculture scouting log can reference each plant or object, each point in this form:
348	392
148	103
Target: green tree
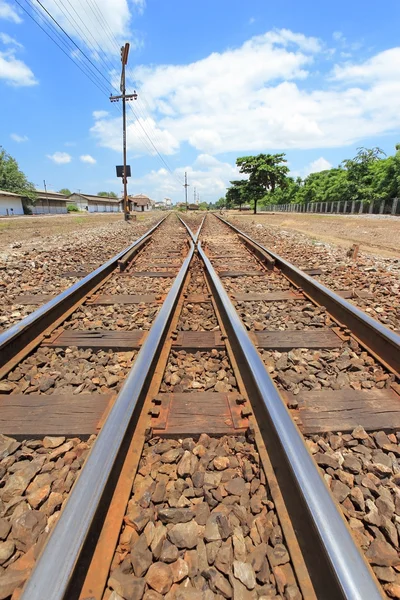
220	203
266	172
236	194
360	173
12	179
65	191
108	194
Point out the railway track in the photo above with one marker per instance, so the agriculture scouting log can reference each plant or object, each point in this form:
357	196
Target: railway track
199	483
34	271
371	283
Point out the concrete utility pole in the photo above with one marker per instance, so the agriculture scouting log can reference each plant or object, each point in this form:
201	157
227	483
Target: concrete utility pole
186	185
124	96
47	198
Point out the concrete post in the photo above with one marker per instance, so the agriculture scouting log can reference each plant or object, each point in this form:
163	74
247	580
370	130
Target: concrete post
361	208
381	207
353	206
371	207
394	205
345	206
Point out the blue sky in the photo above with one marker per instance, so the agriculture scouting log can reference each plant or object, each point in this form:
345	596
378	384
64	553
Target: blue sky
216	80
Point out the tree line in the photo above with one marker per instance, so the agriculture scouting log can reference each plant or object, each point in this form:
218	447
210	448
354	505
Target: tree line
369	176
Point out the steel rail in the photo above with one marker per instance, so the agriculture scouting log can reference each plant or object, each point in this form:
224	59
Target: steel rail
194	236
380	340
55	566
346	563
14	339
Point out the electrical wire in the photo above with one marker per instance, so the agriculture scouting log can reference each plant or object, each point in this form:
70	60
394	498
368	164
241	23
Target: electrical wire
98	84
73	42
140	113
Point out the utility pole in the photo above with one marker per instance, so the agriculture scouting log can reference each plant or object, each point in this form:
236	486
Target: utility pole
194	195
47	198
186	185
124	96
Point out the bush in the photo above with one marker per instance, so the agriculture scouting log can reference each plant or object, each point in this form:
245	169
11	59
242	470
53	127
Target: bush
72	208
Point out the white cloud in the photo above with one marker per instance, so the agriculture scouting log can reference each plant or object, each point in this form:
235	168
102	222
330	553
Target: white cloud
381	67
100	114
9	13
207	174
140	5
102	28
338	36
320	164
15	72
60	158
8	40
19	138
251	20
252	98
86	158
108	133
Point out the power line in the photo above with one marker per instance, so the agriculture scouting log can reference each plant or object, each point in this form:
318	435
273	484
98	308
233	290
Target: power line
73	42
155	148
98	85
93	77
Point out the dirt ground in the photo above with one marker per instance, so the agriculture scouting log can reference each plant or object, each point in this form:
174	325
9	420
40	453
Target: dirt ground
19	229
378	235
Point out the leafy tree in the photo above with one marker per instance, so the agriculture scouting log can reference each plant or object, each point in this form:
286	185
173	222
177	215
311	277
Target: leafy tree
203	206
107	194
266	172
284	194
12	179
235	195
360	173
65	191
220	203
366	177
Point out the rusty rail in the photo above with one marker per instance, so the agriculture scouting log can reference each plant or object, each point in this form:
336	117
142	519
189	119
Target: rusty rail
383	343
22	334
56	565
349	573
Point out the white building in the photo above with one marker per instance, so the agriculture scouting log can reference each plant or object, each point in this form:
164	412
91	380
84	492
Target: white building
140	203
94	204
10	204
48	202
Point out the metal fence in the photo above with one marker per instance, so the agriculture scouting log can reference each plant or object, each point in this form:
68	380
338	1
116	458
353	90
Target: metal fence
376	207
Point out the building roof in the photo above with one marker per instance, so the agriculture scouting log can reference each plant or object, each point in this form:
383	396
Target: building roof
50	195
141	200
5	193
94	198
139	196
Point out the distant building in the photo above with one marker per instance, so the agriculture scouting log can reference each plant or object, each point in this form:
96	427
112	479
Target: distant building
165	204
49	202
10	204
141	203
94	204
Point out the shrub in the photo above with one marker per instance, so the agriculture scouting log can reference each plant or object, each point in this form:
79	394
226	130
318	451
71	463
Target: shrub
72	208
